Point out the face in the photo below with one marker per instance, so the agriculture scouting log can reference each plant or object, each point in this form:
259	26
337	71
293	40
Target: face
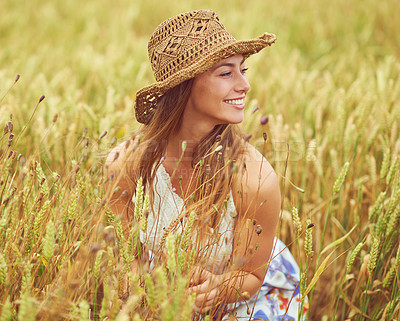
217	95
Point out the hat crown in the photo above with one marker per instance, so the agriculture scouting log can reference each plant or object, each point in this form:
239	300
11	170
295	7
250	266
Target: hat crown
182	40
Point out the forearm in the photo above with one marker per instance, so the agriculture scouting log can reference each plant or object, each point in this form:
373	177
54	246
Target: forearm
237	286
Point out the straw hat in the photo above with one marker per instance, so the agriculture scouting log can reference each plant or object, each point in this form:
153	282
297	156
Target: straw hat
183	47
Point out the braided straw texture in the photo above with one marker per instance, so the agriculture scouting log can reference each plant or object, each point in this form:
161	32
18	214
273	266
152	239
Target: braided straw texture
184	46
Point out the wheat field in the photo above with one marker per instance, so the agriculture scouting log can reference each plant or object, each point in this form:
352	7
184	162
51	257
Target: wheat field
330	88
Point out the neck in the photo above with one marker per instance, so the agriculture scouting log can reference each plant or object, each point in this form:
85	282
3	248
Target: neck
190	132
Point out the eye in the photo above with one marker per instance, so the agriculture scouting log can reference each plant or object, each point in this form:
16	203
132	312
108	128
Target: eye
244	70
225	74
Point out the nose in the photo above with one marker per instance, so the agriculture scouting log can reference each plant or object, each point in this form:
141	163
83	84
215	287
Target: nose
243	84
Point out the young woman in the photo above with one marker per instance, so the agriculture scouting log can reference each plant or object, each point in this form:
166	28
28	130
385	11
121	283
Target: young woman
196	166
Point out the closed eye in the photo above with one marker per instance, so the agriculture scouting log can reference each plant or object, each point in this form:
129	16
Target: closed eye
228	73
225	74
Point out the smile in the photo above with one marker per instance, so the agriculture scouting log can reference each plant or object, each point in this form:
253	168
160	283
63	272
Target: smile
235	101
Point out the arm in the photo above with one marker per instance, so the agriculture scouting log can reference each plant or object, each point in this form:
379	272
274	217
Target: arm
257	200
119	187
119	191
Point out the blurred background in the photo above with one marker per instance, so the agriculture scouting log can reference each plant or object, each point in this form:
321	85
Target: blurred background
329	86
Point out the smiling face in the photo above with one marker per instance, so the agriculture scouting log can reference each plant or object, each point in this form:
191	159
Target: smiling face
217	95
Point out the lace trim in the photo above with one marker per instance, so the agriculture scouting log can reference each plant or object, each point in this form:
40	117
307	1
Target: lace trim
231	209
167	180
167	207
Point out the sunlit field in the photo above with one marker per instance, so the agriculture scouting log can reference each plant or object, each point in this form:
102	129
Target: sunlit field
330	88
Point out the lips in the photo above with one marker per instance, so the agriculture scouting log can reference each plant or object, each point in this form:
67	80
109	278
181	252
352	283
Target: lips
238	103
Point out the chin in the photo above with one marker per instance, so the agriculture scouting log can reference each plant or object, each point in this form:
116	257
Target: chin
234	121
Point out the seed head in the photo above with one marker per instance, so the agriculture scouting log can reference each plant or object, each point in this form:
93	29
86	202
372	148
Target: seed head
296	220
375	208
372	169
339	181
387	281
7	311
3	270
171	257
246	295
84	310
385	163
393	169
104	133
184	145
97	263
113	141
308	238
27	307
139	198
151	295
145	214
264	120
391	305
397	261
353	256
188	231
49	241
373	255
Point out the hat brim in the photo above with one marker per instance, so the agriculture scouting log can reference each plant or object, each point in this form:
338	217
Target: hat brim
147	97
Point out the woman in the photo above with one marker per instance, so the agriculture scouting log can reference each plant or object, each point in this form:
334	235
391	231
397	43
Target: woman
193	158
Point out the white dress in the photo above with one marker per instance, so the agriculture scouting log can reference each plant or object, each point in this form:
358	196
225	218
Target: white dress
278	298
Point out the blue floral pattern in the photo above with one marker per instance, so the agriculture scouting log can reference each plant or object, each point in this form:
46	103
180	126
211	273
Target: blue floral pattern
279	296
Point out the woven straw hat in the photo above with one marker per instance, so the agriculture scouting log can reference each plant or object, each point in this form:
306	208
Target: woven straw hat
185	46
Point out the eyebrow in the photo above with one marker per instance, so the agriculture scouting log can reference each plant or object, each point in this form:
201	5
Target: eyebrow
227	64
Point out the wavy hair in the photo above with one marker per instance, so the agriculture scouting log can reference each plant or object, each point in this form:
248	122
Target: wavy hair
213	167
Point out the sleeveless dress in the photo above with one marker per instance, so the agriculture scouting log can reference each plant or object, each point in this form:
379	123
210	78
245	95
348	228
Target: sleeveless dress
278	298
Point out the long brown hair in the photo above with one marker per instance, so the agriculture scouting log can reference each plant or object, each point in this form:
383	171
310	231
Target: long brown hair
214	167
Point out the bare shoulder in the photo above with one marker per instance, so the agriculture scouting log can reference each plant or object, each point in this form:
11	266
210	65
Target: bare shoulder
116	165
259	173
259	187
115	158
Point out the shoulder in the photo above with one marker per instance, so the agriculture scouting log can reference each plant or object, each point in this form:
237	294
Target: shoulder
114	161
258	172
117	157
117	165
258	185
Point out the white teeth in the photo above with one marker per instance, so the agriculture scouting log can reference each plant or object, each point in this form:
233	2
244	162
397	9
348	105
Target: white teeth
235	101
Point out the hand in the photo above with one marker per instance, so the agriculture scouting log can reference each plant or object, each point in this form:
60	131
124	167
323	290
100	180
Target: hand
205	284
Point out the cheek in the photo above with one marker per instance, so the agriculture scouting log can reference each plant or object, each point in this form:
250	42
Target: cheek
209	89
217	91
203	92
